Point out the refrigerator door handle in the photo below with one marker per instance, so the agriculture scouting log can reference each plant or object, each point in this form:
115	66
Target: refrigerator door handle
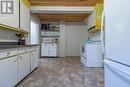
103	33
117	68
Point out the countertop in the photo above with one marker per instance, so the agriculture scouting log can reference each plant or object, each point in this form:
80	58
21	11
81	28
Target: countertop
15	46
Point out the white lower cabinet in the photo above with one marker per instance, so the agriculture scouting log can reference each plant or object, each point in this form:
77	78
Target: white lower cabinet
53	50
8	72
44	49
14	69
49	50
24	16
23	66
34	59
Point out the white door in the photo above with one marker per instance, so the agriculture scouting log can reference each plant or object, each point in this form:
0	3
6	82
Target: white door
117	30
24	16
75	34
8	72
116	75
24	66
13	19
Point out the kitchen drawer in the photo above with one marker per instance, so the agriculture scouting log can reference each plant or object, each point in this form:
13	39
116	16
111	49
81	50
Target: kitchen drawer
12	52
3	54
34	48
22	50
27	49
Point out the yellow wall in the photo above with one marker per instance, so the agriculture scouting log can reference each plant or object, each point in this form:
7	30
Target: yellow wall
26	2
99	9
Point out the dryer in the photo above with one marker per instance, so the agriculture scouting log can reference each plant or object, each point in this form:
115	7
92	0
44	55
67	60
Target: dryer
91	54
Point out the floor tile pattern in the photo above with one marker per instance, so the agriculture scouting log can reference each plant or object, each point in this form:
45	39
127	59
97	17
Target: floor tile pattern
63	72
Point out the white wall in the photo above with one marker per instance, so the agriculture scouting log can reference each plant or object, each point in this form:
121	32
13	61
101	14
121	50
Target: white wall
76	34
62	45
95	36
72	34
35	30
8	36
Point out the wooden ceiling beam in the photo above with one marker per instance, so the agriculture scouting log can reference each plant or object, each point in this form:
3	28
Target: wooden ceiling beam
64	2
67	20
60	0
66	14
63	17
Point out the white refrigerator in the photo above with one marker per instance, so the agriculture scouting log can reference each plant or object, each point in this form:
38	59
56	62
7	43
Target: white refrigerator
116	42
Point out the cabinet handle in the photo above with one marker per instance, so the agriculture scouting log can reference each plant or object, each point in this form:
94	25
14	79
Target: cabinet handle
8	53
18	27
15	60
21	57
21	28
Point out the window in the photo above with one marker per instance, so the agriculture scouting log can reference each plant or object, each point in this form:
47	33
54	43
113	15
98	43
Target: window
34	31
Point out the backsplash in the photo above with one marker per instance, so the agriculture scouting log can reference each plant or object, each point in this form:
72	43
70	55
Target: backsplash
7	36
95	36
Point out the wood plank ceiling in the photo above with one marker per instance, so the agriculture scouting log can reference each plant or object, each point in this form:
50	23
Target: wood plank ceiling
62	17
68	17
64	2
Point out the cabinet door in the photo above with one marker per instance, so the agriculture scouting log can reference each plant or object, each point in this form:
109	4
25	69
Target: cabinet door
89	22
24	17
93	17
48	49
53	50
27	64
8	72
34	60
11	19
44	50
24	66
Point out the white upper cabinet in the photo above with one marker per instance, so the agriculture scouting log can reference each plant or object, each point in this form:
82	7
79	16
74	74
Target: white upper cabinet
24	17
94	20
11	19
91	20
